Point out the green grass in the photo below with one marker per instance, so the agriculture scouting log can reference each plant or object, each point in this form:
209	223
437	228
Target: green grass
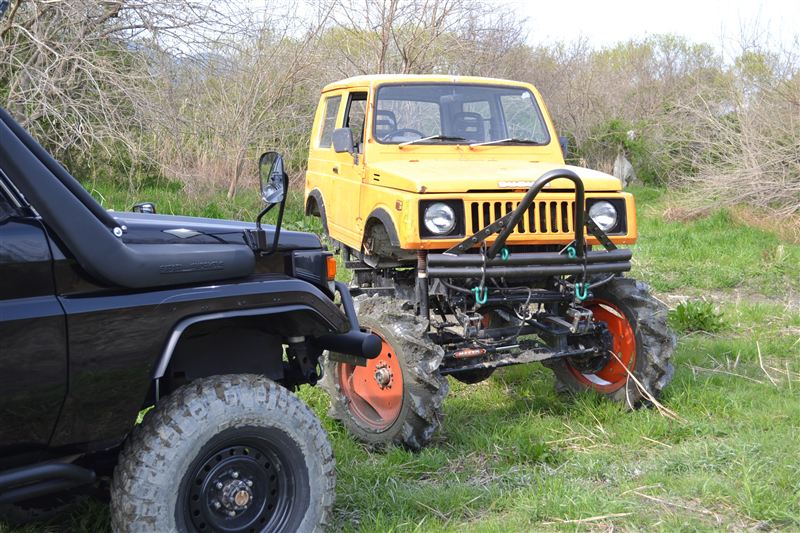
710	254
514	456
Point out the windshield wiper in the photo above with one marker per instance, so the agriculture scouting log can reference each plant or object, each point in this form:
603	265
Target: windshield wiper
512	140
434	138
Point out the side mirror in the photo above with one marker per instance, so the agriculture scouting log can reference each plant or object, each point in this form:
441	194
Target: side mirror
144	207
343	140
563	140
274	184
274	181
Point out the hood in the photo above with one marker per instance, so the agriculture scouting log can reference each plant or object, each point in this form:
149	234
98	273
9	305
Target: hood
461	175
145	228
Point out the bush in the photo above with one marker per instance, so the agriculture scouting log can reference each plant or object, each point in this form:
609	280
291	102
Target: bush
657	149
696	315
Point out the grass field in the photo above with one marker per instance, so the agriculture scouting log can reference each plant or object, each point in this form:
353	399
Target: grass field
514	456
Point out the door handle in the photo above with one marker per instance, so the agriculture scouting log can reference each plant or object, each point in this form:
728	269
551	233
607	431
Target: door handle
335	170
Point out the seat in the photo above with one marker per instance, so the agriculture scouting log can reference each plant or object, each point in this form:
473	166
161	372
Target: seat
385	122
469	126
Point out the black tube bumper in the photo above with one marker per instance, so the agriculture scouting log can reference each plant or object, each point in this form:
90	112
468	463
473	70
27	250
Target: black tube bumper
528	265
355	342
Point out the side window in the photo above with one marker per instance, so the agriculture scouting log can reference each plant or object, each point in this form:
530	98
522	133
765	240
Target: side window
356	115
329	121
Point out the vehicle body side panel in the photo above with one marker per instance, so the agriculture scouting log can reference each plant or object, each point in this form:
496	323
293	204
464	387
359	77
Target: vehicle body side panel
33	339
117	338
336	174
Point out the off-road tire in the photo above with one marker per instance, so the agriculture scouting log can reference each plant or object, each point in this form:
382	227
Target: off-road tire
424	388
162	452
655	343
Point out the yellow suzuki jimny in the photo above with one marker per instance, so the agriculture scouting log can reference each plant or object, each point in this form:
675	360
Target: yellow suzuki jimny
476	247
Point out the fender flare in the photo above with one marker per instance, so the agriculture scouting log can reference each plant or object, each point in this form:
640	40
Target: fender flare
347	337
183	325
382	216
317	196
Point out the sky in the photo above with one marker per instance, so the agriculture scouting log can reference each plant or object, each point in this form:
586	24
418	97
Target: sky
716	22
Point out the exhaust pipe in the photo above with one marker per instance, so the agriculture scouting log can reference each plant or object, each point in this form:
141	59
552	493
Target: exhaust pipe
354	342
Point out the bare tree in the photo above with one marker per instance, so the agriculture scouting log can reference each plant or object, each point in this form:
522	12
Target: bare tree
195	89
211	114
749	143
414	36
71	68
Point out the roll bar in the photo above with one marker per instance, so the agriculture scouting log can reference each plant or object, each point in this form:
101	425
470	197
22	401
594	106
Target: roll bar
506	224
527	200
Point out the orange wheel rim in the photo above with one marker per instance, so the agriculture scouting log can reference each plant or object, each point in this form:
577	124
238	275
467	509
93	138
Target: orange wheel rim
374	392
614	374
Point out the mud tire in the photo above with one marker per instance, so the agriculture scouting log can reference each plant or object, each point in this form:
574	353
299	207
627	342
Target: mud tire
424	389
160	458
655	344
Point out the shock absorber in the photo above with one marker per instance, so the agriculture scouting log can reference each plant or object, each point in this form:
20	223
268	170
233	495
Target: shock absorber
422	284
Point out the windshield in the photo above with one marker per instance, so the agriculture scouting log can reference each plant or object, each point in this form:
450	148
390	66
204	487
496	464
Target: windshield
446	113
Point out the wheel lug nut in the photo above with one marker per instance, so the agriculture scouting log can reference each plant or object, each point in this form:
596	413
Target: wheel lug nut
217	505
219	485
231	513
249	482
235	475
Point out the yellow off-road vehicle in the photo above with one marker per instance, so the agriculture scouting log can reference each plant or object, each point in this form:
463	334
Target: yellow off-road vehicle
478	248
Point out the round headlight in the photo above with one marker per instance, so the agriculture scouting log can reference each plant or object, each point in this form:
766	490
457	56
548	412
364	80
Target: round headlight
440	219
604	215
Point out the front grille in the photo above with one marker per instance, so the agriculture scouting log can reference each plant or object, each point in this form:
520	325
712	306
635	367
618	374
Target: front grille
548	217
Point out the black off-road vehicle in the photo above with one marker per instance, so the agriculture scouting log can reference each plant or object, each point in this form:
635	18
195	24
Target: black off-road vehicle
212	322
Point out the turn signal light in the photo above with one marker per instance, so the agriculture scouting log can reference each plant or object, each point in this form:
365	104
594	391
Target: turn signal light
331	264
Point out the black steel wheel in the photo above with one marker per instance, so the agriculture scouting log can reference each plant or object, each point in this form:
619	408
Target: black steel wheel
246	481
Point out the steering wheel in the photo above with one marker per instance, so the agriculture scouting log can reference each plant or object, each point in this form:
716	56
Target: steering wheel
402	131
